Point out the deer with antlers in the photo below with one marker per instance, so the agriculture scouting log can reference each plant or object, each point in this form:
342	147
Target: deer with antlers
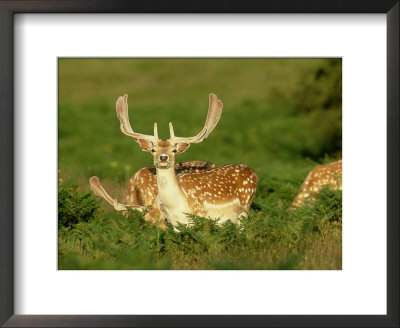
328	175
170	191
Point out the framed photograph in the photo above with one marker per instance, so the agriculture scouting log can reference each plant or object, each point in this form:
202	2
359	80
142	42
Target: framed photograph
236	213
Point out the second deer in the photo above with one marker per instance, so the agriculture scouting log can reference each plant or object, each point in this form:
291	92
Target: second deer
328	175
170	191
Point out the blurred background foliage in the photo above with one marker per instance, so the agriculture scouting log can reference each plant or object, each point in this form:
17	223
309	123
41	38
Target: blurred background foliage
274	110
282	117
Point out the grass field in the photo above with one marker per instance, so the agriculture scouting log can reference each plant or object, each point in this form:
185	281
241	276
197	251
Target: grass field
282	117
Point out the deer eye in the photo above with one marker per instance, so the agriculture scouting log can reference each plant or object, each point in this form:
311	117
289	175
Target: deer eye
153	150
174	151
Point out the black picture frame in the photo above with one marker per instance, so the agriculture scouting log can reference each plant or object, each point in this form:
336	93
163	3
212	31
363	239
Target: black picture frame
7	11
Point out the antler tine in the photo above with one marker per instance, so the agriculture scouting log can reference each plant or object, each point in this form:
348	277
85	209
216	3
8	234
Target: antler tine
171	131
123	116
213	116
155	131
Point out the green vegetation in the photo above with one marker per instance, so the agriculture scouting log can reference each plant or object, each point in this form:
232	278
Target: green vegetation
74	205
282	117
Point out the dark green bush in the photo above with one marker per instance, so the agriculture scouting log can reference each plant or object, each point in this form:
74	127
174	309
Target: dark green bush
316	103
74	205
320	88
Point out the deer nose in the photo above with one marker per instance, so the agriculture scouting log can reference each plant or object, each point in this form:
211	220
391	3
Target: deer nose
163	157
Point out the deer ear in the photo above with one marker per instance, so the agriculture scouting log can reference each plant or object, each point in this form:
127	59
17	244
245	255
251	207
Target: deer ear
145	144
181	147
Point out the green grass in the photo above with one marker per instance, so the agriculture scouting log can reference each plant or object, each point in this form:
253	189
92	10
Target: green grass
281	117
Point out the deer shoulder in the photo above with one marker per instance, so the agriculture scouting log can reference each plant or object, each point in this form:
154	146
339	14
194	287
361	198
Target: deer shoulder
142	187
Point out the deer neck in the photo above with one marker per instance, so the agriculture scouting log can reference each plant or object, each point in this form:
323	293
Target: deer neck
172	198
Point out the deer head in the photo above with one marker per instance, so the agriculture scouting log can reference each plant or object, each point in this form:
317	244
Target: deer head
164	151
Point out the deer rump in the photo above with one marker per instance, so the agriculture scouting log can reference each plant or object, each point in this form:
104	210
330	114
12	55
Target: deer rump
205	186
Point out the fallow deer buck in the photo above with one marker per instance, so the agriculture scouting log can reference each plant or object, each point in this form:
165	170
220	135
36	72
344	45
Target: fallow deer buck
170	191
328	175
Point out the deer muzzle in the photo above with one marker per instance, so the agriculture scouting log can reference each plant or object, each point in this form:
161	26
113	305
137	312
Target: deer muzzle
163	157
163	161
